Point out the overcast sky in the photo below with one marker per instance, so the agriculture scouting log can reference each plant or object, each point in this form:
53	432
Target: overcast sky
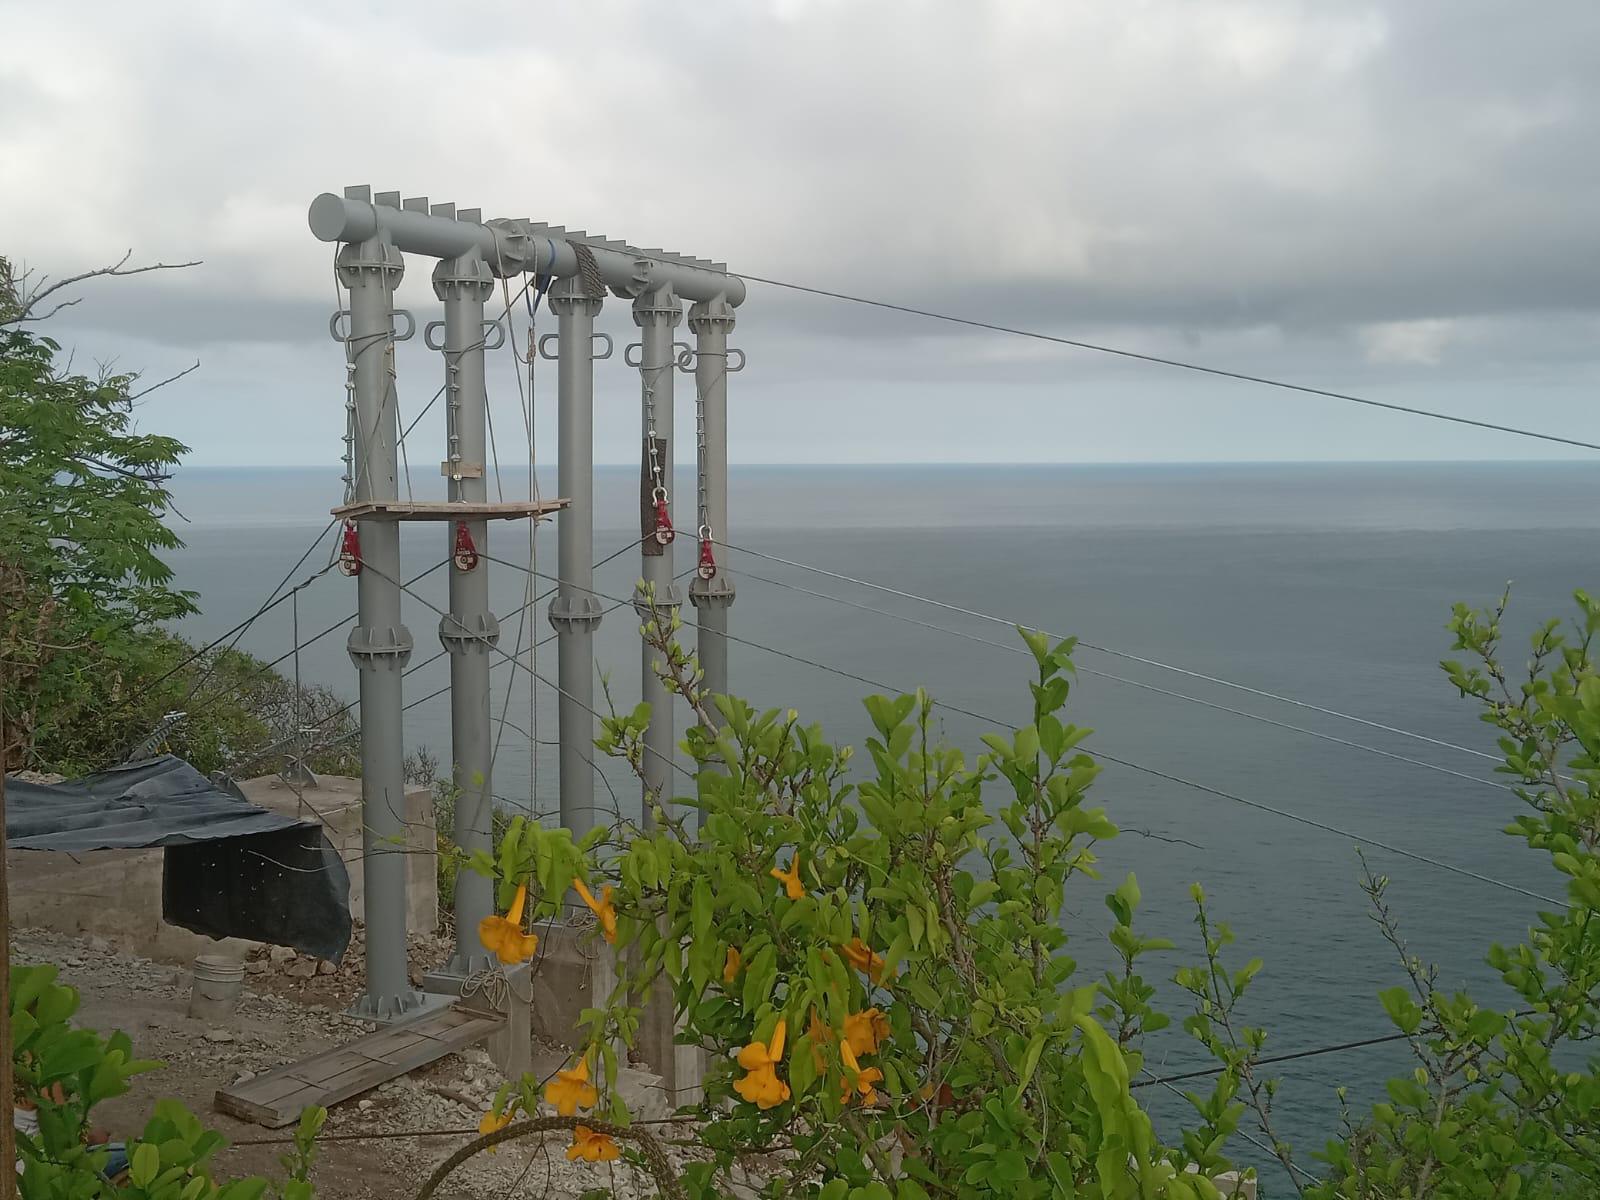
1396	199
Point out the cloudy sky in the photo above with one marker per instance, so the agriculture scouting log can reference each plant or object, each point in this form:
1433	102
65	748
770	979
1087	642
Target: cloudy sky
1396	199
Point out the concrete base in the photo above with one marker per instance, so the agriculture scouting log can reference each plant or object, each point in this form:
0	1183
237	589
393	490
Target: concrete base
577	971
507	995
116	894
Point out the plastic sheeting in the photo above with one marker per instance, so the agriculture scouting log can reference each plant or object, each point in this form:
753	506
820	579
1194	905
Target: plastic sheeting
231	869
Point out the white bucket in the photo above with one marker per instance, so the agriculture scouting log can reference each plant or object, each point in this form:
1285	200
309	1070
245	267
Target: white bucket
217	984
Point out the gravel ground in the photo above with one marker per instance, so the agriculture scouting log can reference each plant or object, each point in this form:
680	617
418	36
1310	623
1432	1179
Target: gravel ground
291	1009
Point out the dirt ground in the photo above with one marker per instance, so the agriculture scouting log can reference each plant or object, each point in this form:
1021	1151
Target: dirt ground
291	1009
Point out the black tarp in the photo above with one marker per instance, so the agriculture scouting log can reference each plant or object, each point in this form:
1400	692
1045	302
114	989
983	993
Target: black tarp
231	869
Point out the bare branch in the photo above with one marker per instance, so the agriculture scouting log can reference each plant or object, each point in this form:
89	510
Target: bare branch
26	312
142	392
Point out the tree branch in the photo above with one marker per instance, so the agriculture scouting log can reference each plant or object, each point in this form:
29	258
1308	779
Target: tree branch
30	302
142	392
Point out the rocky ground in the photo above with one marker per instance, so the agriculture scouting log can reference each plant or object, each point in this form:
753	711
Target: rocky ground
382	1144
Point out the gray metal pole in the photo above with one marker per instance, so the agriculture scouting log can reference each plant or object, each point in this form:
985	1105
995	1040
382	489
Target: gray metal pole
657	314
711	320
470	629
380	644
575	611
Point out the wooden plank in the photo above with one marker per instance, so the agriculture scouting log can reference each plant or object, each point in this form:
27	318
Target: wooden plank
277	1098
446	510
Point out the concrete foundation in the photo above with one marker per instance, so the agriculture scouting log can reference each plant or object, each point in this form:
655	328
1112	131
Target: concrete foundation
116	894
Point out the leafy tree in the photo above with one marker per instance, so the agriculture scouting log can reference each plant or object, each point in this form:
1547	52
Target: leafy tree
82	581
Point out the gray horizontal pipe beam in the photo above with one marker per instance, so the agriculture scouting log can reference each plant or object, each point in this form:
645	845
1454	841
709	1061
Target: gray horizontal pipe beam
514	247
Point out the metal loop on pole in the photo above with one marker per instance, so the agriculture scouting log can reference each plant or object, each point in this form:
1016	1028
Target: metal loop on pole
499	329
427	335
686	358
411	325
605	337
731	369
543	348
627	354
333	325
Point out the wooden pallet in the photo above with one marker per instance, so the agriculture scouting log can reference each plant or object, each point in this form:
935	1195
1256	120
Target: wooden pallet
278	1097
446	510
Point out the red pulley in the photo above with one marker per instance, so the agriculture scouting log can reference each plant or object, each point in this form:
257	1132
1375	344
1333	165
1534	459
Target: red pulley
465	555
350	550
708	561
664	532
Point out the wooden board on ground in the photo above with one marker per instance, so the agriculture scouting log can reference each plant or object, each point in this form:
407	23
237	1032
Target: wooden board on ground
447	510
277	1098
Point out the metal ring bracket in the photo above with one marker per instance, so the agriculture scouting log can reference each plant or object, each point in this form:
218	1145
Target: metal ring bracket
628	356
731	368
432	327
544	350
342	333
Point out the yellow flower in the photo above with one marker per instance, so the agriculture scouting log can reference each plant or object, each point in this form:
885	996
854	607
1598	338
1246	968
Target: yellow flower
591	1146
602	908
863	958
503	936
858	1082
761	1086
730	965
821	1035
865	1029
792	886
571	1090
490	1123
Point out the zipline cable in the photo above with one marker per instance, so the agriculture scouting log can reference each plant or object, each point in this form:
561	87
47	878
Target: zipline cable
1123	654
1413	855
1159	360
1137	683
1206	788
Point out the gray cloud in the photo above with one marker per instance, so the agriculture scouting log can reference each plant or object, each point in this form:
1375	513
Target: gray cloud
1396	197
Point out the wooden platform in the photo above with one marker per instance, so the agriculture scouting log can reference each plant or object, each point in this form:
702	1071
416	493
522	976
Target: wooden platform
278	1097
446	510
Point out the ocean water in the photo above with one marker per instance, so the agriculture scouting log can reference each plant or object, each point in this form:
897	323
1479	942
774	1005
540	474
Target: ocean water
1327	583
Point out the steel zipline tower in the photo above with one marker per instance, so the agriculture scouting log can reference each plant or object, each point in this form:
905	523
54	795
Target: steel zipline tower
579	269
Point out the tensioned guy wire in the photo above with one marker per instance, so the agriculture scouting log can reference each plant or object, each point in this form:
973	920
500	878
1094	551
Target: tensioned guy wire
1155	359
1178	779
1115	653
1137	683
